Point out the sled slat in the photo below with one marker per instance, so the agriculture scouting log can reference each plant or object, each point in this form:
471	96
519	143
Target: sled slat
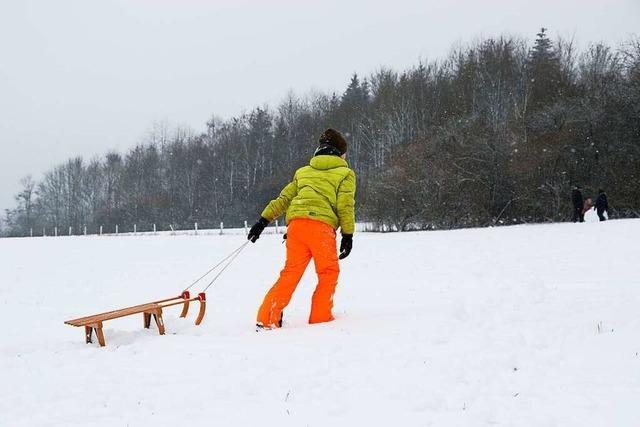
109	315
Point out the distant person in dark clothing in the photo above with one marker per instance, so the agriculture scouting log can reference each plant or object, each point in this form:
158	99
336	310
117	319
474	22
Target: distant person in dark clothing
602	205
578	204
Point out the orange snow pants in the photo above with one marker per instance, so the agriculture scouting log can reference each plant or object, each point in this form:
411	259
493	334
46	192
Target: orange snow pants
306	239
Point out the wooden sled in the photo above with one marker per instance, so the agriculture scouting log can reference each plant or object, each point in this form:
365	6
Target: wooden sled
94	323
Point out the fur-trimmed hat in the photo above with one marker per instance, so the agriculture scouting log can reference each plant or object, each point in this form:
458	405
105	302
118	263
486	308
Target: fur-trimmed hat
335	139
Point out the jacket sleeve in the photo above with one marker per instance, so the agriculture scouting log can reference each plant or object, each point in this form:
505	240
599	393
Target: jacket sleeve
346	203
279	205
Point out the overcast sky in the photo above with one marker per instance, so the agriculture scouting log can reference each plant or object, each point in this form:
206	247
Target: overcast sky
81	77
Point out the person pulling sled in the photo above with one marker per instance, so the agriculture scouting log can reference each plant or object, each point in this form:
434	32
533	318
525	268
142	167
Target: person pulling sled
319	200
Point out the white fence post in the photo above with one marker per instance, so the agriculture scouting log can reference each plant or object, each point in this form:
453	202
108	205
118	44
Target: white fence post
221	227
116	229
44	232
55	231
154	229
85	230
246	231
31	232
101	230
196	227
173	232
277	228
70	231
135	228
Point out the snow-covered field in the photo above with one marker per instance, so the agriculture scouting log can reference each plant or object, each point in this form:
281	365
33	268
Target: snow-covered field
512	326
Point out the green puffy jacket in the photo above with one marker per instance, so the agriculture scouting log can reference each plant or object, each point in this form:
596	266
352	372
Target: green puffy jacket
325	190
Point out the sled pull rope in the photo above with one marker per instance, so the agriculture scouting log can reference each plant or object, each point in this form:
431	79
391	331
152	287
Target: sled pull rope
232	254
231	258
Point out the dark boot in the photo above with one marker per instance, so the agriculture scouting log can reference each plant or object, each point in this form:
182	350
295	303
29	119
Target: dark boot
577	211
601	215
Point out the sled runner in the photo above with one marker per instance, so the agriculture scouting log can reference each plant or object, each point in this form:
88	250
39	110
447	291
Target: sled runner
94	323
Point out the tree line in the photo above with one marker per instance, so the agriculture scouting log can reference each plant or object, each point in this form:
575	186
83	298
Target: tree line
496	133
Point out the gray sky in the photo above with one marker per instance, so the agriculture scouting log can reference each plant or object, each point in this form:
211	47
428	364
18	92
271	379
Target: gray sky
80	77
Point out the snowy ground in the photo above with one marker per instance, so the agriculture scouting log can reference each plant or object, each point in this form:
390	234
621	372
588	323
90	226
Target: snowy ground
525	326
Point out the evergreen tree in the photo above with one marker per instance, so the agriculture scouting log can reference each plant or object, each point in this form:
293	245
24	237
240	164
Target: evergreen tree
543	72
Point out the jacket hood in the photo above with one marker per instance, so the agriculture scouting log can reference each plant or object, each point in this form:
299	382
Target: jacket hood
323	162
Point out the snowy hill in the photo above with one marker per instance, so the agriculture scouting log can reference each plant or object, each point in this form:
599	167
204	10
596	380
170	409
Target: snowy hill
525	325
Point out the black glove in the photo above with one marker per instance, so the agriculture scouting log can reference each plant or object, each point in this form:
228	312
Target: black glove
345	245
256	230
